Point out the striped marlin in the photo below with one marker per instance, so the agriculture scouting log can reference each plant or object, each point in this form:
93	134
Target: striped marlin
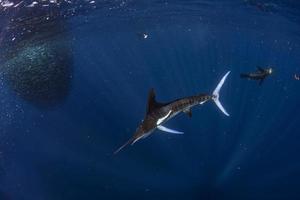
159	113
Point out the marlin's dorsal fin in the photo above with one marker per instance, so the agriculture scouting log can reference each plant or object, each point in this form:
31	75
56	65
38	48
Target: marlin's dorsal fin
152	104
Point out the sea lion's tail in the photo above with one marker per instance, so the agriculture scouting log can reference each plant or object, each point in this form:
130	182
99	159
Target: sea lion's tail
244	76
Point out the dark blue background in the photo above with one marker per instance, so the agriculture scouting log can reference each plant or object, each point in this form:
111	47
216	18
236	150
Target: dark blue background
66	152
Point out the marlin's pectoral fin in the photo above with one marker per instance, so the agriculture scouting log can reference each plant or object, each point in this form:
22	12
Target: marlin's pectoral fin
165	129
188	112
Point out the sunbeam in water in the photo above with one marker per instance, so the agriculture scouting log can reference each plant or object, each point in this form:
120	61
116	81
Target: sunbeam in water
75	77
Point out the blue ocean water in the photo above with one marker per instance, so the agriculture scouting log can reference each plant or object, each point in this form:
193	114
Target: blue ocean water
66	151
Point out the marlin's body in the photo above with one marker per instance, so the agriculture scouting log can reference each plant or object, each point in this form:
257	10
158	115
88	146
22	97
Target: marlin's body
259	75
159	113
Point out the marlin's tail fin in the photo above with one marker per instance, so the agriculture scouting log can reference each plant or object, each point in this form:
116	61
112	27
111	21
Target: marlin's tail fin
216	94
130	141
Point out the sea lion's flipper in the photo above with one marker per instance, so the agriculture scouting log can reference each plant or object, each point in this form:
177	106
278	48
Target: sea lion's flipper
244	75
261	81
260	69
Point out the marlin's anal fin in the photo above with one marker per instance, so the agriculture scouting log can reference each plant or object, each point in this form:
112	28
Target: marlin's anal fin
165	129
188	112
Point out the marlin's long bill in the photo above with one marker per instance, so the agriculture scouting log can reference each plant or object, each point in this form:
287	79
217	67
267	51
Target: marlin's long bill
216	94
130	141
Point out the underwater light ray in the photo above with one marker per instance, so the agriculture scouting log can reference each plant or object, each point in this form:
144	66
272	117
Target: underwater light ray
241	156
